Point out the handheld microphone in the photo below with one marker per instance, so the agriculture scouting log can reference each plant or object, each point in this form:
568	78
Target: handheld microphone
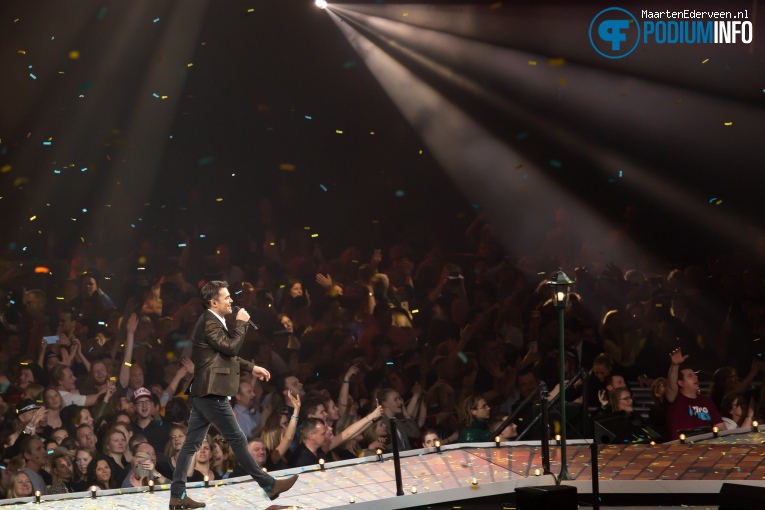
249	321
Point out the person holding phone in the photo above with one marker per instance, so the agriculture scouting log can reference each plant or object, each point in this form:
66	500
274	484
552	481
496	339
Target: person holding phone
217	366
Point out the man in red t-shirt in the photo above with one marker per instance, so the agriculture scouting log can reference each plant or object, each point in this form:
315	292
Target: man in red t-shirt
686	409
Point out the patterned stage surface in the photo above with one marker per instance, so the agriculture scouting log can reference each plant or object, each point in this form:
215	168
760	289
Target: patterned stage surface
461	473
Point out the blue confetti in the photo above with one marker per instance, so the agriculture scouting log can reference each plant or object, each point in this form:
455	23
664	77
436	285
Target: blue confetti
206	160
308	117
399	193
712	200
33	76
132	225
155	95
156	19
555	163
201	236
621	173
84	169
84	210
56	171
323	187
47	143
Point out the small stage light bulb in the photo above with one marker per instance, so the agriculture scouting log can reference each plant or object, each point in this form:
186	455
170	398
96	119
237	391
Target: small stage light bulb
682	438
321	4
537	472
414	490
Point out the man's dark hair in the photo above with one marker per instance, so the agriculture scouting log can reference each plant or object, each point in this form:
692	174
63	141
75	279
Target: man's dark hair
309	426
210	291
312	401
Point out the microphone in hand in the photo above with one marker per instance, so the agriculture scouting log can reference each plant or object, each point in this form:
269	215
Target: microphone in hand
245	316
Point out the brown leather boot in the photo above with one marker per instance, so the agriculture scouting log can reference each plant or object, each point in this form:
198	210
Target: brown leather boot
185	503
281	485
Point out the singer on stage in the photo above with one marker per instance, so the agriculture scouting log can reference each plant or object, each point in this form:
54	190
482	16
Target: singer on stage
216	377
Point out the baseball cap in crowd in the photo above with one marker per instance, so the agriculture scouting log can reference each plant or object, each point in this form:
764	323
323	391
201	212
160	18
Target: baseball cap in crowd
141	393
26	405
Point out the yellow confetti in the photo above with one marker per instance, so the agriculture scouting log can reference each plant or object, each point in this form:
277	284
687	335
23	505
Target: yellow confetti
314	235
288	167
22	52
219	200
718	202
33	218
406	14
556	62
728	123
250	10
705	61
371	132
532	62
5	169
190	64
164	97
339	131
74	55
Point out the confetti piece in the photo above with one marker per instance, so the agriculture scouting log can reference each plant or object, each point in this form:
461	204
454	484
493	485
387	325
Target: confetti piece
556	62
287	167
711	200
555	163
406	14
308	117
339	131
314	235
74	55
33	76
156	20
155	95
22	52
718	202
219	200
399	193
190	64
5	169
349	64
532	62
323	187
728	123
250	10
33	218
705	61
206	160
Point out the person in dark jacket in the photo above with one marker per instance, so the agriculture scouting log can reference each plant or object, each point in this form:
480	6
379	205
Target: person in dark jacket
474	420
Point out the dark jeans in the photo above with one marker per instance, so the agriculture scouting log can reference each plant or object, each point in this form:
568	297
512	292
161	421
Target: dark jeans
218	411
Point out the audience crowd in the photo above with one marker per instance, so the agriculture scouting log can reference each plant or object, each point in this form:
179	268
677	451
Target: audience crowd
94	367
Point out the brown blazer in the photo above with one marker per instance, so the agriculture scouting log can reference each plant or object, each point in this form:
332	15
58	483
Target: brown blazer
214	353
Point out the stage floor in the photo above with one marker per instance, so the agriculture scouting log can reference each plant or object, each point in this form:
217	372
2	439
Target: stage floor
461	473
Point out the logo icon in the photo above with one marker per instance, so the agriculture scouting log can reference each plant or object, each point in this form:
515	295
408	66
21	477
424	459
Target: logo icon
614	32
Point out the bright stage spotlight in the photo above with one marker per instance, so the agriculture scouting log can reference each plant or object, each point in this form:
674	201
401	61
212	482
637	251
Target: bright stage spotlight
321	4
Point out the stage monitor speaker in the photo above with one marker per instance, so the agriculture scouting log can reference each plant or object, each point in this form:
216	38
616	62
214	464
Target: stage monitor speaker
620	428
735	496
546	497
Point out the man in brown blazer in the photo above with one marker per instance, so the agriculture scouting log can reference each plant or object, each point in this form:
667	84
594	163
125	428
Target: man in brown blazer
216	377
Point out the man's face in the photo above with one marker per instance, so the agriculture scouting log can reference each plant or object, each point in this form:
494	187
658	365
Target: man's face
617	381
600	372
527	383
99	373
245	397
86	437
37	452
316	438
393	402
294	385
258	452
148	448
143	407
222	304
689	381
59	435
136	377
68	382
320	412
65	323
